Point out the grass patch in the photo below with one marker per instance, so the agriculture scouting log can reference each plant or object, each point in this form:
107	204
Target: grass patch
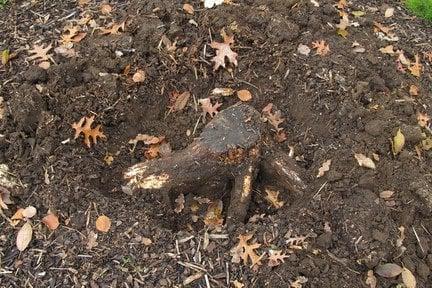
3	3
421	8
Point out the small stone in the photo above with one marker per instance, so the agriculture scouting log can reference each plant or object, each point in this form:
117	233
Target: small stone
375	127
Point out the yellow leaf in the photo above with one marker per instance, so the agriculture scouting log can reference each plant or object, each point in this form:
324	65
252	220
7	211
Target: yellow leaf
342	32
5	57
408	278
427	144
358	14
398	142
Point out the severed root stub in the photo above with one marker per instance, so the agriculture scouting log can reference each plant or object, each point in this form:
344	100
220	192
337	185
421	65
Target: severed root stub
230	147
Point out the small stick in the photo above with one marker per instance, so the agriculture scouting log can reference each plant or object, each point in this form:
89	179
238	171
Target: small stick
418	239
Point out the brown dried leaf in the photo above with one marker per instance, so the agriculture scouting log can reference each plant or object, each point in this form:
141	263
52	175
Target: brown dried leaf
83	2
188	8
401	238
387	50
40	53
388	270
224	50
178	101
341	4
88	132
139	76
274	118
114	29
416	68
65	51
423	119
72	34
276	257
384	29
386	194
24	236
208	108
324	168
18	215
237	284
244	95
213	216
246	252
321	47
371	279
105	9
408	278
414	91
272	197
180	201
91	240
4	198
29	212
364	161
103	223
51	221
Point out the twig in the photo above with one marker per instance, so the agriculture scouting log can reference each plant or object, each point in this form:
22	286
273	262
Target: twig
418	239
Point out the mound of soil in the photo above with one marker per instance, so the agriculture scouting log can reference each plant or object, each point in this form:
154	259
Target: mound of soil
334	106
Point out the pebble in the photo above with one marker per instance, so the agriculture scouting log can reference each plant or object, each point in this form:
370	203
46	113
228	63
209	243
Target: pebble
375	127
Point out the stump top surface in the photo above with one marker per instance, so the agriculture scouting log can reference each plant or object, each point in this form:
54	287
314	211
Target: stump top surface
236	126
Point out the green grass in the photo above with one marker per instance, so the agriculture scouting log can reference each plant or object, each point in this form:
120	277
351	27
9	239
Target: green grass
421	8
3	3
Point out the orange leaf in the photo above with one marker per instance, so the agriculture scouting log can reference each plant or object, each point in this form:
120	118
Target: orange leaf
188	8
321	47
276	257
85	128
103	223
114	29
244	95
51	221
416	68
246	252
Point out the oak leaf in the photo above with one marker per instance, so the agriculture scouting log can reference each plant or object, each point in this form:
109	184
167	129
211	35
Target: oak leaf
322	48
40	53
273	198
246	252
88	132
416	68
276	257
209	108
224	50
274	118
114	29
72	34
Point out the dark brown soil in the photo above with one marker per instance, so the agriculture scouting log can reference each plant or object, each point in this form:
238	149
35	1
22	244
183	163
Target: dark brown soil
335	106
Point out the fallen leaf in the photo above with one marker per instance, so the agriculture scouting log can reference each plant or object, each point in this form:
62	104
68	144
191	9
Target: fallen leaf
4	197
213	216
426	144
146	241
51	221
388	270
223	50
387	50
223	91
24	236
423	119
139	76
274	118
371	279
5	57
146	139
114	29
237	284
18	215
83	2
364	161
324	168
416	68
180	201
272	196
298	283
103	223
303	49
105	9
401	238
386	194
413	90
246	252
389	12
244	95
408	278
208	108
89	133
398	142
40	53
276	257
341	4
280	136
358	14
72	34
91	240
65	51
108	159
29	212
178	101
342	26
321	47
188	8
